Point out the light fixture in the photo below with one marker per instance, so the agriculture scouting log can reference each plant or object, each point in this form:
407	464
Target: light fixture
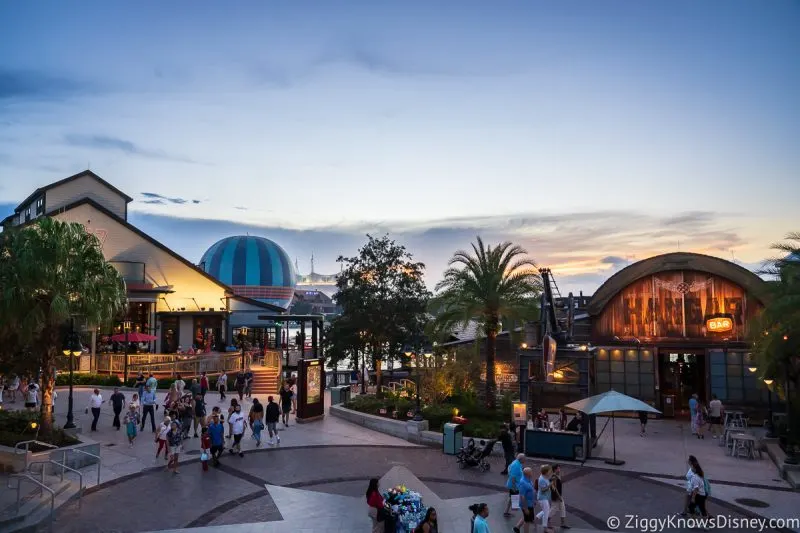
524	346
752	369
786	337
768	382
126	325
558	374
243	330
34	425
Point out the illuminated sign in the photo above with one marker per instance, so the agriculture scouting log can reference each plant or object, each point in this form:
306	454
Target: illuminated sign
719	324
520	414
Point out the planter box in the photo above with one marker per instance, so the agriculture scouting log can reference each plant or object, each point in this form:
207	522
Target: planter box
389	426
15	462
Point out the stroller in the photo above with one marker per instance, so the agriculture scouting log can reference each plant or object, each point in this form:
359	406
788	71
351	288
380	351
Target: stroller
470	455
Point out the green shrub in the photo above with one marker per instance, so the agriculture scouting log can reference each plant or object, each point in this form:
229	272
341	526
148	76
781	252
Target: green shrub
99	380
15	426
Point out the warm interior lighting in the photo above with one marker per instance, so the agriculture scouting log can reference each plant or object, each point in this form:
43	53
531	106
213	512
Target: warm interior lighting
752	369
455	411
524	345
558	374
786	337
768	382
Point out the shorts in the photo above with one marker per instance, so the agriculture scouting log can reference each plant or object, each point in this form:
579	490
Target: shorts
715	420
557	508
175	450
30	404
513	492
530	516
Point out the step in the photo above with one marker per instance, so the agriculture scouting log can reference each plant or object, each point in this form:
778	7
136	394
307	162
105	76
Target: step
36	508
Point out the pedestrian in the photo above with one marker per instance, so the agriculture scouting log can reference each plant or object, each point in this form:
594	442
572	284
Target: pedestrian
186	414
180	385
286	402
700	420
272	415
562	419
135	401
95	402
642	423
31	396
161	438
222	383
14	387
479	524
429	522
149	407
172	397
508	446
693	413
241	381
205	449
131	424
256	416
175	440
216	432
195	387
231	410
512	484
203	385
699	490
715	411
527	501
151	383
544	496
199	413
558	507
117	400
139	384
293	388
238	425
248	382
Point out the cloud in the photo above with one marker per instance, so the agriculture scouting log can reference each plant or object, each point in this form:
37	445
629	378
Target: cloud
114	144
155	198
31	84
614	261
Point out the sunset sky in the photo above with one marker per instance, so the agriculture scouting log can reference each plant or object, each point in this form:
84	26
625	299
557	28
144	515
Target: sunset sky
591	133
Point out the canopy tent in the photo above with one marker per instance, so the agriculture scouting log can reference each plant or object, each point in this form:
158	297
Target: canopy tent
611	402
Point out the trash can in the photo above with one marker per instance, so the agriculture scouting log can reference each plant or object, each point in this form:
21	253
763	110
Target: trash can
340	394
452	438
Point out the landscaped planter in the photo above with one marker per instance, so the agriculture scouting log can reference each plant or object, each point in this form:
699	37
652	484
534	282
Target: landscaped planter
15	462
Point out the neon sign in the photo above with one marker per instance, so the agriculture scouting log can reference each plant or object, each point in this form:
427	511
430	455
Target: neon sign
719	324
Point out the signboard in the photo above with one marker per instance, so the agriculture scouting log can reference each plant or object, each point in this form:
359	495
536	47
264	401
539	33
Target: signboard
549	349
310	390
719	324
520	414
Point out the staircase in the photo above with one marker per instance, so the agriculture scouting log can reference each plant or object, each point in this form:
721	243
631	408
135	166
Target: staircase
265	381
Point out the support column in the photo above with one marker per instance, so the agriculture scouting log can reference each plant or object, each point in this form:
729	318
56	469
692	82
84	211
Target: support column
302	339
314	342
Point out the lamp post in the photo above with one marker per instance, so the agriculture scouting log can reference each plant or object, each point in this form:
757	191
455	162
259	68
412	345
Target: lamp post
770	425
242	336
417	353
126	326
72	349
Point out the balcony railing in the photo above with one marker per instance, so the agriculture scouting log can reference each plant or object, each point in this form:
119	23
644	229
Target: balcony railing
170	364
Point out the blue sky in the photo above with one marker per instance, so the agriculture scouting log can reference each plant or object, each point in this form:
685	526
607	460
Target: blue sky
592	133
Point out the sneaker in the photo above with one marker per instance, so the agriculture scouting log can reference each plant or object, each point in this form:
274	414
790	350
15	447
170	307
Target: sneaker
271	442
279	438
231	452
241	454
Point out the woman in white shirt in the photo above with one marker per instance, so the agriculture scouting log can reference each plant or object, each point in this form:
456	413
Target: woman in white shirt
95	402
32	396
698	493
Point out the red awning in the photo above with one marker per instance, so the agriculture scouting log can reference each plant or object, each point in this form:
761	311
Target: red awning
133	336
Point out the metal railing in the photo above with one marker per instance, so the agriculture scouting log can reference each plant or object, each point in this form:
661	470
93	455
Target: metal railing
99	461
172	364
27	443
27	477
63	468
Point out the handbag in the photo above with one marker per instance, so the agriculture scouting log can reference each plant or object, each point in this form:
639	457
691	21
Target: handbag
204	456
515	501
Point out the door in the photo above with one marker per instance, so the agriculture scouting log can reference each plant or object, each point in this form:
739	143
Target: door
682	373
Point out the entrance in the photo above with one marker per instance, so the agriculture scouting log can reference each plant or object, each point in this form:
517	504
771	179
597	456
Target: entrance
682	373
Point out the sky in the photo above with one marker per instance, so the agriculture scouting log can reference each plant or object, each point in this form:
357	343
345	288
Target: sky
593	134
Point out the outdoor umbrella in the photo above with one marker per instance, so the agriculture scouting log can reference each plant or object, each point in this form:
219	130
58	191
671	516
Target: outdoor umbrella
133	336
611	402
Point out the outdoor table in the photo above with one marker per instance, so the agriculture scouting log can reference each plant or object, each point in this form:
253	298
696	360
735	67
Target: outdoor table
727	431
733	417
749	442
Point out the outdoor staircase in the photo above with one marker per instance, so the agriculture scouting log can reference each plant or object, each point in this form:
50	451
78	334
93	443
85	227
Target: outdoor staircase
265	381
35	504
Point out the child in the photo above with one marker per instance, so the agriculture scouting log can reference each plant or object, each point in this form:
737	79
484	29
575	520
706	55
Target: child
175	441
131	424
700	420
205	448
161	438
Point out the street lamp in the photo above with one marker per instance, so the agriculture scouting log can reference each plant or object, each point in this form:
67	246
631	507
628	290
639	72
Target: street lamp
242	336
72	348
770	425
419	352
126	326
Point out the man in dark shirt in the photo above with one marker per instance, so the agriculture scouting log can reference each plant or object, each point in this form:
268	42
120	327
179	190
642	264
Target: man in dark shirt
216	431
271	417
117	403
241	381
248	382
508	446
557	496
199	412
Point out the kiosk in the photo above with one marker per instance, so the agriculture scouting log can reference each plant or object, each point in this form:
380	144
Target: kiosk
310	390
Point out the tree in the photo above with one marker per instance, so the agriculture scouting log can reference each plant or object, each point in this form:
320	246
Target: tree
776	333
383	299
51	272
486	286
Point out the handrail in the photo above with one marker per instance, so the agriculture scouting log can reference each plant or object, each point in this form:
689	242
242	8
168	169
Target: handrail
99	460
63	467
44	487
27	444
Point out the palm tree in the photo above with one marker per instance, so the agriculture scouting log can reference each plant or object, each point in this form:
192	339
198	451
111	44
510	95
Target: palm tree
51	272
485	286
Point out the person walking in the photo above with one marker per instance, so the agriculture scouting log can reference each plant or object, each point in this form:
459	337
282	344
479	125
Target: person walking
558	507
203	385
135	401
293	388
699	490
231	410
32	396
642	423
479	524
256	416
248	382
700	420
512	484
238	425
199	413
95	402
429	523
117	404
14	387
175	441
151	383
715	411
272	415
376	506
216	432
205	449
544	496
241	381
286	402
693	413
527	501
194	388
139	384
508	446
222	383
180	385
149	408
161	438
131	424
172	397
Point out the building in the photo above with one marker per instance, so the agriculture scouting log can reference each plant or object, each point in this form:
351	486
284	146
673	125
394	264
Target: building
312	301
661	330
169	297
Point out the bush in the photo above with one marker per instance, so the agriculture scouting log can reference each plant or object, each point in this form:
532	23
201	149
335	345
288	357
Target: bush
99	380
15	426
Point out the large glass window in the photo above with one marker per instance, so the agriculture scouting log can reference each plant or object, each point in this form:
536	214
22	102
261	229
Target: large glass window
629	371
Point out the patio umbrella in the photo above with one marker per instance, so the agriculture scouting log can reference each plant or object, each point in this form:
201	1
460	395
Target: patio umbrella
611	402
133	336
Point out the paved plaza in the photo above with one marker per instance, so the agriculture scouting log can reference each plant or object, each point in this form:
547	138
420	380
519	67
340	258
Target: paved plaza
315	481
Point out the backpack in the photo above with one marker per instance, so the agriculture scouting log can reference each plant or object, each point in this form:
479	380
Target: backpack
706	487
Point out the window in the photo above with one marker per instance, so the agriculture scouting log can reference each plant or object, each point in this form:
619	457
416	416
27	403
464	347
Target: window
39	207
28	215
